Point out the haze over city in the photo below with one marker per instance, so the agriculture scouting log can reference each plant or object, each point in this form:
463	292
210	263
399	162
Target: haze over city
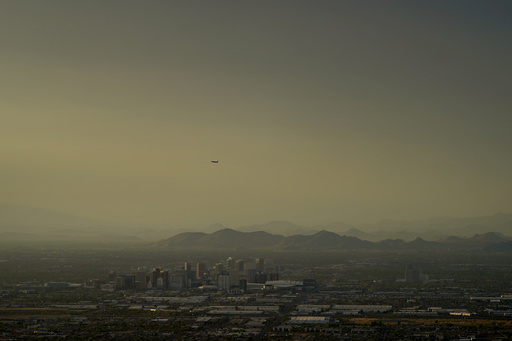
317	111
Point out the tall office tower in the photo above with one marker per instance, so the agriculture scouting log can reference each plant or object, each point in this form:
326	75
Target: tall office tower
260	278
165	277
250	264
178	280
201	270
141	280
412	273
260	264
191	271
219	268
157	274
234	275
125	282
243	284
224	282
251	275
239	265
274	276
230	262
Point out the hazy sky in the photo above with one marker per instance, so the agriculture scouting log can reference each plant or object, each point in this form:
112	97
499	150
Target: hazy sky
319	111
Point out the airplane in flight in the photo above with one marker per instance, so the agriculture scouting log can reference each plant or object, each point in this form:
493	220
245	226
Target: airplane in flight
215	161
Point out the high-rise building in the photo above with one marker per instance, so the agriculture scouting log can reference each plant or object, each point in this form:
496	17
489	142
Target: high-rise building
243	284
250	264
260	264
191	271
260	278
224	282
250	275
179	280
125	282
141	280
239	265
230	262
157	274
218	268
412	273
234	275
201	270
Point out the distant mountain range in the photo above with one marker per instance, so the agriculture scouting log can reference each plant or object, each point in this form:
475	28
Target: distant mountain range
29	223
430	229
327	241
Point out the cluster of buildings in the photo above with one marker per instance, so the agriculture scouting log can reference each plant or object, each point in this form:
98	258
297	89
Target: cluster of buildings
246	298
231	275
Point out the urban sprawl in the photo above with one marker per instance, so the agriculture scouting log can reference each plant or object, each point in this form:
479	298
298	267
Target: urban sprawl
362	297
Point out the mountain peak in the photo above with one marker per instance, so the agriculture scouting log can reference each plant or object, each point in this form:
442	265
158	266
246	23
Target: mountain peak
226	230
326	234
